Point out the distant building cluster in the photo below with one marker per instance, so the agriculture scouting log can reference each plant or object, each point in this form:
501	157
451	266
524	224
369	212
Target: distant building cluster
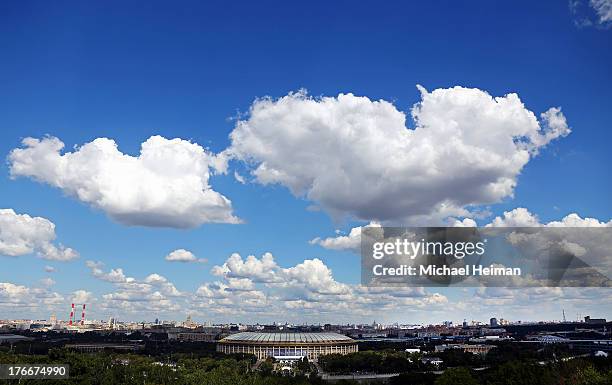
468	348
289	343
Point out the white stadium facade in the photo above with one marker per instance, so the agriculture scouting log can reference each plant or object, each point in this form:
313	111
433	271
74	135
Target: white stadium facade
287	346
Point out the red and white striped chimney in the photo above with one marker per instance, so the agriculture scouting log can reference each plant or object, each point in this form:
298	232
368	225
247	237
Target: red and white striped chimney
83	315
71	315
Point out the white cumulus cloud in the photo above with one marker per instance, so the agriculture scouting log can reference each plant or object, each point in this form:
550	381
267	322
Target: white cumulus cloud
132	287
351	242
14	297
167	185
47	282
21	234
356	157
521	217
182	255
306	289
82	297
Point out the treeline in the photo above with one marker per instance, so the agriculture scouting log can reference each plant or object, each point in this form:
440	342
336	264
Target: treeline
460	368
574	372
133	369
387	361
183	368
393	361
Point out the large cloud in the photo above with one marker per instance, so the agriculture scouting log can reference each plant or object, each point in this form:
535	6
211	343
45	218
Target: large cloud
21	234
130	287
14	297
167	185
355	156
306	290
303	292
151	296
518	217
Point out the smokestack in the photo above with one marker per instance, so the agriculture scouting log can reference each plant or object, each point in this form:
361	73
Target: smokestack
83	315
71	315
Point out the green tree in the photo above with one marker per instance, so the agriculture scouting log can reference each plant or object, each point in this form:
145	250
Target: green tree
523	373
456	376
588	376
303	365
267	366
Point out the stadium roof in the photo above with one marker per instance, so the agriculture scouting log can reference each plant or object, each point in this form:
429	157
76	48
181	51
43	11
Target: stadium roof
266	338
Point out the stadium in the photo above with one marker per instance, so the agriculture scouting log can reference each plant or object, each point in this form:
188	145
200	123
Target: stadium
287	346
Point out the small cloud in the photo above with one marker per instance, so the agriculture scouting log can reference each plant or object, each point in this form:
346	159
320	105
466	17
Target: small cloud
351	241
239	178
82	296
47	282
591	13
49	269
182	255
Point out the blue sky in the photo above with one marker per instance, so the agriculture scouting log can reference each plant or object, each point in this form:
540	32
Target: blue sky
80	71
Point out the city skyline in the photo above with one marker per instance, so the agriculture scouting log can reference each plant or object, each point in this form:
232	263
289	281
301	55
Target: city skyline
81	323
220	164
